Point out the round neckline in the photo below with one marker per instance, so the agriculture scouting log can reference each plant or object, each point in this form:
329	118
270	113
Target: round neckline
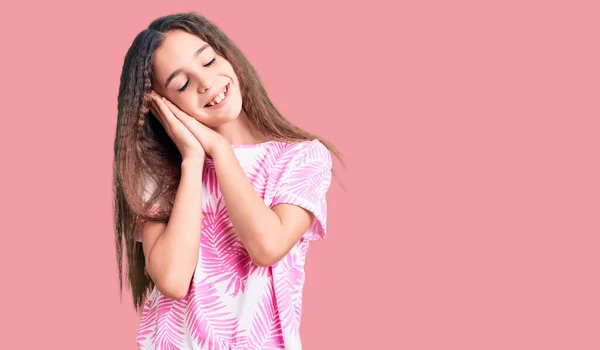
252	145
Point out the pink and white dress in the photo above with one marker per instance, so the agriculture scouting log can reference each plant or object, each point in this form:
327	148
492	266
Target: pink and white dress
232	303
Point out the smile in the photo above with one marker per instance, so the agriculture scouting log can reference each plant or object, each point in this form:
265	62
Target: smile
220	99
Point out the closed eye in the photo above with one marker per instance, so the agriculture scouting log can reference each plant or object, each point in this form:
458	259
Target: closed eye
184	86
211	62
182	89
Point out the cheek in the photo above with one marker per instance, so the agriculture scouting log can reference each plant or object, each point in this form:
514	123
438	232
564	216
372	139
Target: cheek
238	87
227	69
237	91
188	104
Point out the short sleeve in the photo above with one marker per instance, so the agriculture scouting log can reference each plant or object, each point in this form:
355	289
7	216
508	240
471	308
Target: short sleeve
304	182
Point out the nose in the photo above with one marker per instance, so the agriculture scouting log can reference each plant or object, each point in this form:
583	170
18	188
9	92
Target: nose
205	83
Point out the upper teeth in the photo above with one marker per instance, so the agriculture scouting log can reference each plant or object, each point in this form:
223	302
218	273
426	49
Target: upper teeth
217	99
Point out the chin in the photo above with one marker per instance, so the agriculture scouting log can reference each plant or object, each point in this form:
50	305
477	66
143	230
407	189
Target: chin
218	120
225	117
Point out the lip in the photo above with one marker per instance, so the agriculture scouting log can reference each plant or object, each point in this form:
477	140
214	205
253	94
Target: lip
225	99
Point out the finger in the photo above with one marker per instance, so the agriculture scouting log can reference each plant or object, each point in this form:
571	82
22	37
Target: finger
153	98
155	95
178	114
156	113
198	129
185	118
154	106
163	115
171	106
156	99
165	112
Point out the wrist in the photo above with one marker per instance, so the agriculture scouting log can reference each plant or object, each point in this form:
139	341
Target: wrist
193	162
221	149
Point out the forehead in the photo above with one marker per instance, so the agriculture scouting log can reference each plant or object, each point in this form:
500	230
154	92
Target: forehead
176	51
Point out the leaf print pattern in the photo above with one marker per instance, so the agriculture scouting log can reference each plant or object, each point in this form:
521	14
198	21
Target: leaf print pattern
308	178
209	321
266	327
148	320
223	254
289	280
209	177
305	182
268	166
233	303
169	326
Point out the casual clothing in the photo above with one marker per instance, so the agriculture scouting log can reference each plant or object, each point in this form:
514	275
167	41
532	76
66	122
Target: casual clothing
233	303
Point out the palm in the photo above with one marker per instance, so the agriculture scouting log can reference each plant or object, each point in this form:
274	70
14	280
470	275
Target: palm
187	143
208	138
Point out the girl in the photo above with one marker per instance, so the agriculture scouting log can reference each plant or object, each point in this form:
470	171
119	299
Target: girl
217	195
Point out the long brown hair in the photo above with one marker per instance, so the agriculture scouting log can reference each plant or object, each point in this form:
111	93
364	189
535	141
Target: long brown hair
144	152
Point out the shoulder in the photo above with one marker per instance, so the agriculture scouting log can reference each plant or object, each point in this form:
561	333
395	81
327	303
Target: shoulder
310	151
305	162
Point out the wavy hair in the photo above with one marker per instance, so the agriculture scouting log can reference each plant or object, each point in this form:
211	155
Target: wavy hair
144	152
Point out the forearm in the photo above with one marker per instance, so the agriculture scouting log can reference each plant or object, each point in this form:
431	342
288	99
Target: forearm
254	222
174	256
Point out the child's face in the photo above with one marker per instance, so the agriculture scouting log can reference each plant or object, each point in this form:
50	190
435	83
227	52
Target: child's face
194	77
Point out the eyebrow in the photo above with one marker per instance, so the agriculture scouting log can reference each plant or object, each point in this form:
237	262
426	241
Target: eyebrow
174	74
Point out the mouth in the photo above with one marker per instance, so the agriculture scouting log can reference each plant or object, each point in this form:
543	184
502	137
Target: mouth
219	99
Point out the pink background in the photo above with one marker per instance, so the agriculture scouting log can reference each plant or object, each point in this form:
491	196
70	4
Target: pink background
471	217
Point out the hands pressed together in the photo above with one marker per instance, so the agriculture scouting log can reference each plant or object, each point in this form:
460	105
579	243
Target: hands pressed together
192	138
266	233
